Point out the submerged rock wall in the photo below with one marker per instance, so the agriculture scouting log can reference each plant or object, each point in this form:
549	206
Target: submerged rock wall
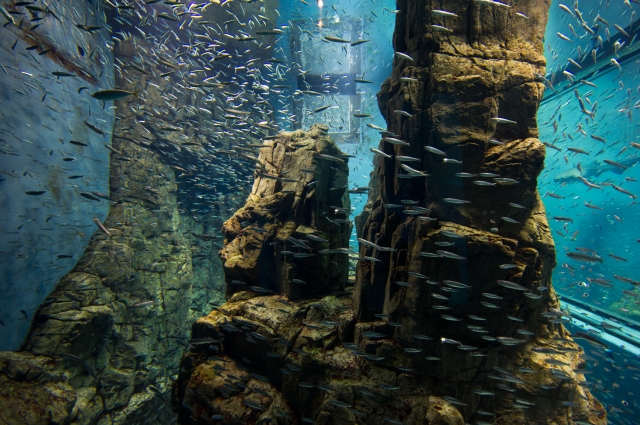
111	335
53	136
105	346
453	318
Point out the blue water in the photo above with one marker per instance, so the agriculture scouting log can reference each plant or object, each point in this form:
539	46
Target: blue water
612	228
375	21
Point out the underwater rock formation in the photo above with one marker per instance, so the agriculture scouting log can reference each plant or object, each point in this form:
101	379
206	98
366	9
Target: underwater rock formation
454	319
106	344
294	226
110	336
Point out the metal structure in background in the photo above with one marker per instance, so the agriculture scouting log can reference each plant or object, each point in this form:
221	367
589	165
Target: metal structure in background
328	68
623	48
613	364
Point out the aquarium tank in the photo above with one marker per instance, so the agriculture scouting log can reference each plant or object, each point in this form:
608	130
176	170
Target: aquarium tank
321	212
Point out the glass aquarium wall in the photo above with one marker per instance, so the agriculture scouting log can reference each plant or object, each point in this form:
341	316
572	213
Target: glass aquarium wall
589	120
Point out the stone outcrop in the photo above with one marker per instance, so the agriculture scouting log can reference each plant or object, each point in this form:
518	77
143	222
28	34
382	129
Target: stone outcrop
299	192
267	358
471	119
105	346
248	343
108	340
453	318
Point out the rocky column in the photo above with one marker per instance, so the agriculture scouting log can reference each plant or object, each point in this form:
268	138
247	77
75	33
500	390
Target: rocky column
291	235
466	276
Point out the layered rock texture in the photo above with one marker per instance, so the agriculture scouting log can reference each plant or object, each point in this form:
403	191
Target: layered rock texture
107	342
474	273
105	346
453	318
291	236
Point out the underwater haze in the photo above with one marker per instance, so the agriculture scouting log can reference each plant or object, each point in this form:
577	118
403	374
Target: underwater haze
589	121
139	141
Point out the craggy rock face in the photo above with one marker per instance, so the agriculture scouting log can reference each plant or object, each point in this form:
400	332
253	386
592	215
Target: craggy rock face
297	193
109	338
454	318
269	359
471	119
106	344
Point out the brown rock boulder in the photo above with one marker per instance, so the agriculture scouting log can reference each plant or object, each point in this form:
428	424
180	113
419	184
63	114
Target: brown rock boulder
300	190
33	391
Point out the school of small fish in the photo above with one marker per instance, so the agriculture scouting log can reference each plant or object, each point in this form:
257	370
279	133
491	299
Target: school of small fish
252	85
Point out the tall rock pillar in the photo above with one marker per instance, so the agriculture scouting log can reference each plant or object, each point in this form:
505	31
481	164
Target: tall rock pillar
464	248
